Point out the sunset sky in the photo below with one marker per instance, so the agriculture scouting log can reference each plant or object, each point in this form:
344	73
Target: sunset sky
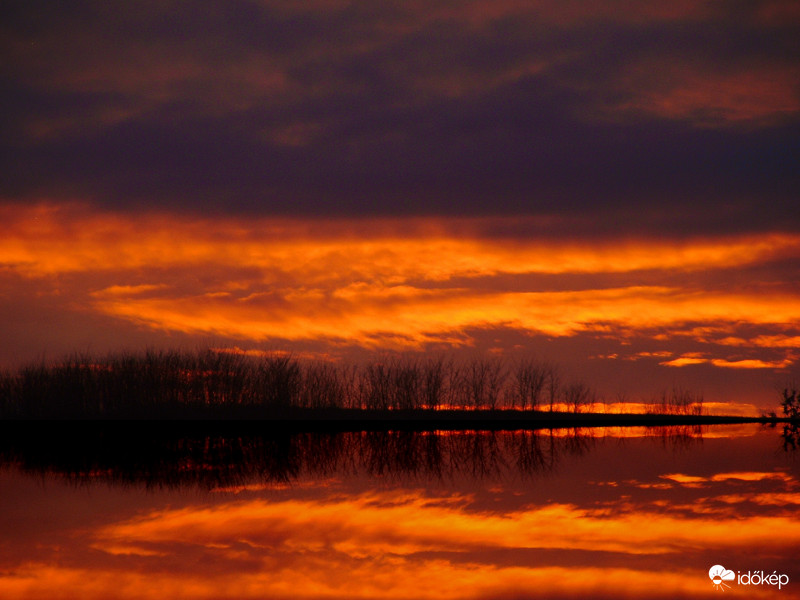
611	186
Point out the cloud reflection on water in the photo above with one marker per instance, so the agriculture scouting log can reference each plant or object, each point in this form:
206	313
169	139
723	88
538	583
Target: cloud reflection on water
613	516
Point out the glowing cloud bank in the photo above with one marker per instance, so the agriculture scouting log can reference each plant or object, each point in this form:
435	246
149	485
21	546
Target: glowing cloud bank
405	283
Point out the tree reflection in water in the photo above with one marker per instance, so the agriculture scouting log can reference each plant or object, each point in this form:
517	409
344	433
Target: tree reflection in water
791	436
222	459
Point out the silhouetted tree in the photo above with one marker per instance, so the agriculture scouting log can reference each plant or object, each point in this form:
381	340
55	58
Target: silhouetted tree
528	382
791	402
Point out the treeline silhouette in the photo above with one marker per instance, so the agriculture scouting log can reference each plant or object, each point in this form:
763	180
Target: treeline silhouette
167	458
175	383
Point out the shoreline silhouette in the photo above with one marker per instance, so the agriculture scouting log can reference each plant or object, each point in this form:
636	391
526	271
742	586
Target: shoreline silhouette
277	391
219	383
357	419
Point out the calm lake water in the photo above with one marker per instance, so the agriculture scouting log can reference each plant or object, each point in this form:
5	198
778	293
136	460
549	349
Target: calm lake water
608	513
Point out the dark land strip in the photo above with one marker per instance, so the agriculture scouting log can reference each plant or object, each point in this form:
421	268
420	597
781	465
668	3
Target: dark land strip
250	419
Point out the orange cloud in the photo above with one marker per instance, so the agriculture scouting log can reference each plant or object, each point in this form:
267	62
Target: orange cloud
384	250
396	282
752	363
419	315
763	341
749	363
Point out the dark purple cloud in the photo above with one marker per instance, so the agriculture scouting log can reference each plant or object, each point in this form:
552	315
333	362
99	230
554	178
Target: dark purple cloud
644	116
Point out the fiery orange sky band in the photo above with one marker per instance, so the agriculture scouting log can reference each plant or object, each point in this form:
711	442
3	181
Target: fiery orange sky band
408	284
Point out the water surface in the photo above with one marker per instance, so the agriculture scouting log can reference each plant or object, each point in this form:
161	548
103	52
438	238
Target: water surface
625	512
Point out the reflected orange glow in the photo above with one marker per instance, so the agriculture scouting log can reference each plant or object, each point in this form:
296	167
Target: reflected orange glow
395	524
684	361
751	476
439	579
742	476
369	545
684	479
616	525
